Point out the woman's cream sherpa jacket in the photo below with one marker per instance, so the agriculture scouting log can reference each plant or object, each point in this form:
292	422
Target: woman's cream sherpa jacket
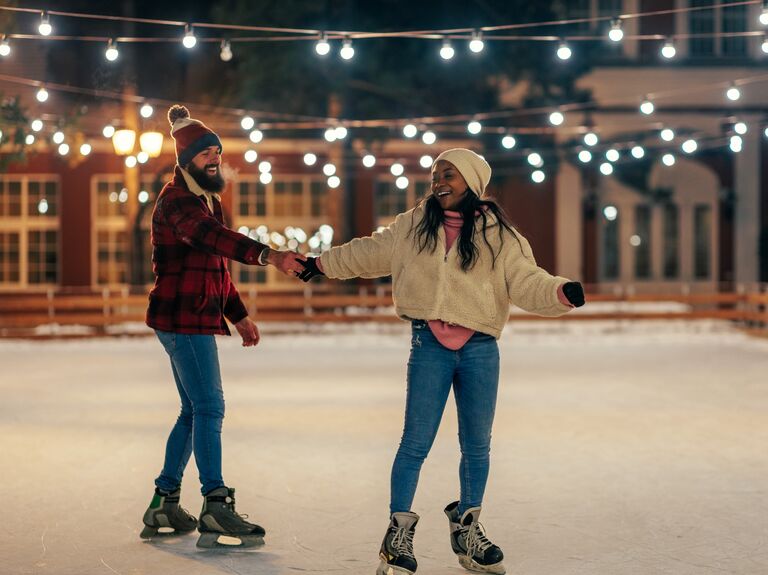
432	285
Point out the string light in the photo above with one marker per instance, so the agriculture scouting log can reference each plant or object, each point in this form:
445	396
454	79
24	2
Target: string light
564	52
402	182
85	149
690	146
474	127
130	162
585	156
765	133
111	53
476	45
322	47
638	152
446	51
429	138
612	155
310	159
334	182
247	123
45	27
669	51
265	166
189	41
5	48
251	156
142	157
29	140
409	130
610	213
36	125
329	169
733	93
256	136
369	160
668	159
42	94
534	159
556	118
606	168
538	176
341	132
108	131
330	135
591	139
763	46
58	137
763	18
426	162
146	111
667	135
508	142
226	51
265	178
143	196
397	169
347	52
616	33
647	107
736	143
740	128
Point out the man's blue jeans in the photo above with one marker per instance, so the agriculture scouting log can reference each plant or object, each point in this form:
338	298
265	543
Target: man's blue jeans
195	365
473	372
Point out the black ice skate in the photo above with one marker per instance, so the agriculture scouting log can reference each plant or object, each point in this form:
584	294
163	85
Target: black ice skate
223	527
166	517
468	540
397	548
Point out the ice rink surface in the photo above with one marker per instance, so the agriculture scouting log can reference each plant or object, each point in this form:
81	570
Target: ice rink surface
617	450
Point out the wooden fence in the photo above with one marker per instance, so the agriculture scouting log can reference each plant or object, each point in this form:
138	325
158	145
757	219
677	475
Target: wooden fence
23	314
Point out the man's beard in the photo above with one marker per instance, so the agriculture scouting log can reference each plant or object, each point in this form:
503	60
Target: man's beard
209	183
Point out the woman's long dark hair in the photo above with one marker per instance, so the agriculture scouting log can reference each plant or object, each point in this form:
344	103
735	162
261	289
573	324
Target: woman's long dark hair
426	229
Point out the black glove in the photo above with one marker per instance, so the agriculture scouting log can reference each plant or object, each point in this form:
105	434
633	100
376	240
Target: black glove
310	269
573	292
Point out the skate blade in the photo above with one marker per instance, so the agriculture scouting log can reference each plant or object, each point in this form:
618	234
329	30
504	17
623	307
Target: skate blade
218	541
155	532
471	565
386	569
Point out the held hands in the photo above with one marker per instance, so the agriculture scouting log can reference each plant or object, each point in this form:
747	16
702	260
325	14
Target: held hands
287	262
574	293
310	269
248	331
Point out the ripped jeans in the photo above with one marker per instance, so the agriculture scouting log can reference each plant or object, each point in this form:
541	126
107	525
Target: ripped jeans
473	372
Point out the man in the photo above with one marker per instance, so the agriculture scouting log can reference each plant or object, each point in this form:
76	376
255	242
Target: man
192	296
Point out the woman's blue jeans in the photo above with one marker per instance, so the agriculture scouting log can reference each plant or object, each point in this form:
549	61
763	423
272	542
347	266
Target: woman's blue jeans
195	365
473	372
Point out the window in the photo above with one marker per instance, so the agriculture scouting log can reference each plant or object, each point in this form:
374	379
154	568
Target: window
702	236
671	240
611	249
642	245
29	230
717	20
288	198
390	200
253	199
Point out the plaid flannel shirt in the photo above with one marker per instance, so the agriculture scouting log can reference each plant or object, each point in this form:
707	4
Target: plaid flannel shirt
193	291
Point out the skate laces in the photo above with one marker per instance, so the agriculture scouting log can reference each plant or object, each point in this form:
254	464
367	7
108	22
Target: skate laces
476	540
403	541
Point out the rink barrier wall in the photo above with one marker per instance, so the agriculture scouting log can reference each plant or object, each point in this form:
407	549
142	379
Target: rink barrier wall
105	311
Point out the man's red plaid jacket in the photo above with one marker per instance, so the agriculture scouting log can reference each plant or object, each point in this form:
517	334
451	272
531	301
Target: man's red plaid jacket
193	291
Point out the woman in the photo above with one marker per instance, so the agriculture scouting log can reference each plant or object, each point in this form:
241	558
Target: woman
456	264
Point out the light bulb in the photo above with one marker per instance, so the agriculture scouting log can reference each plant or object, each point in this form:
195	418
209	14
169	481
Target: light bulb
409	130
426	161
764	16
142	157
556	118
538	176
616	33
585	156
534	159
42	95
402	182
591	139
563	51
45	27
369	160
736	143
226	51
143	196
740	128
474	127
36	125
667	135
265	177
508	142
647	107
310	159
146	111
689	146
265	166
610	213
64	149
341	132
322	47
189	40
58	137
5	48
108	131
669	51
347	52
330	135
130	161
763	47
256	136
85	149
428	138
251	156
446	51
247	123
733	93
397	169
334	182
638	152
668	159
329	169
29	140
476	45
612	155
606	168
111	52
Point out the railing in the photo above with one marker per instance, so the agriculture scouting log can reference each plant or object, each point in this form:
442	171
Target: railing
23	313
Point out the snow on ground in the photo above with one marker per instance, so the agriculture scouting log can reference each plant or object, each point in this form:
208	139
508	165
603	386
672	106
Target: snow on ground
619	448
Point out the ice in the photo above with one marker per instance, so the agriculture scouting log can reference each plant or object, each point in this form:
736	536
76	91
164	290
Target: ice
618	448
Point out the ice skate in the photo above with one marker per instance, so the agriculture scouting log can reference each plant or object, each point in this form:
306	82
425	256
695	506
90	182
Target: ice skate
397	548
165	517
224	528
473	549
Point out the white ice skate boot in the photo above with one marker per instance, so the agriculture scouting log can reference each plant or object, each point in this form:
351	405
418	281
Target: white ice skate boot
473	549
223	527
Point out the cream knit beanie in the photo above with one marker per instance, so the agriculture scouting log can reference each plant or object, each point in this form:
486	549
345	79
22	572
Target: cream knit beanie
474	169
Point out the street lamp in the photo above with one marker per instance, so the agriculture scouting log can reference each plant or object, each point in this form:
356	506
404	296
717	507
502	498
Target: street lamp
151	143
